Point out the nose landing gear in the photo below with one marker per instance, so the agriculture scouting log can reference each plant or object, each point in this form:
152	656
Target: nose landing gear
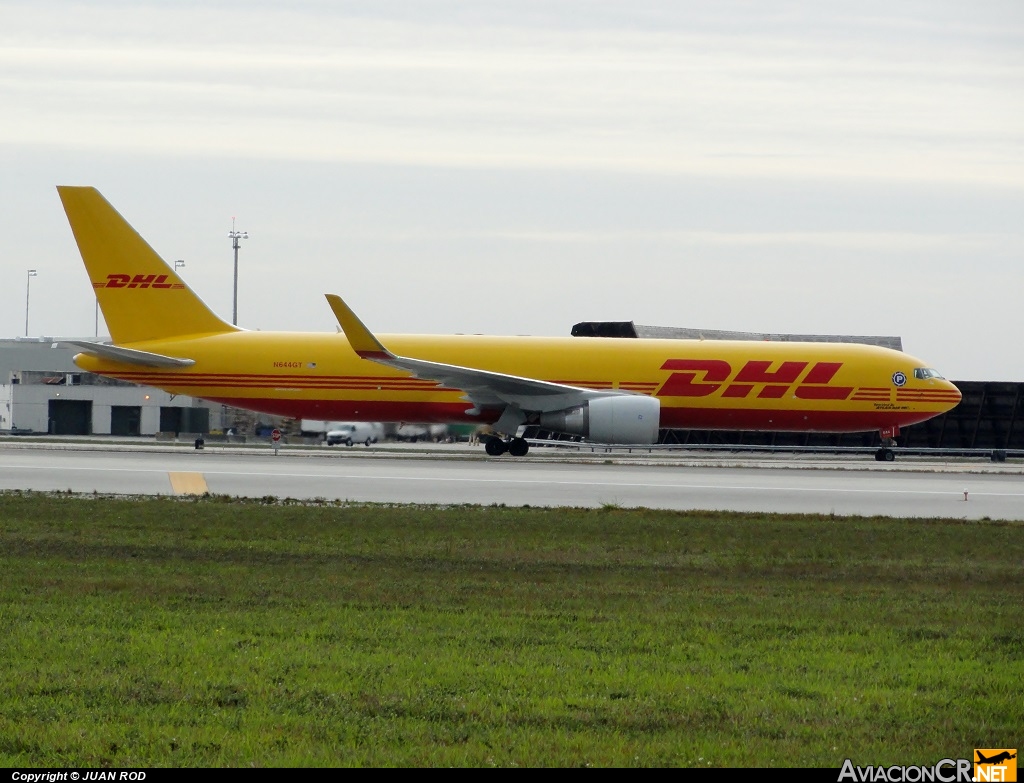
886	453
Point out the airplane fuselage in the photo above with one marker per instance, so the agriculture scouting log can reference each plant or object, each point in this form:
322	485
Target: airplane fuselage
827	387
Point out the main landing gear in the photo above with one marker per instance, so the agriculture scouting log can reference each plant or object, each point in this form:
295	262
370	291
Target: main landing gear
517	447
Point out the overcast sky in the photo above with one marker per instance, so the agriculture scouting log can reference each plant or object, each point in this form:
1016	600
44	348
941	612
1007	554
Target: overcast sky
516	167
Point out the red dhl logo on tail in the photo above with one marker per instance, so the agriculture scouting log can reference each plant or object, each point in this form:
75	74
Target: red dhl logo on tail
138	281
715	373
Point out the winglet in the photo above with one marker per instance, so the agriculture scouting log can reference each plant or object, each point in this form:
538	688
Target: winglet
359	337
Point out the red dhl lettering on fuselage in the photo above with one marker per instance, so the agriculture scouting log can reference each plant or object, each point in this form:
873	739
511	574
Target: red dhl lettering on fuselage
717	374
138	281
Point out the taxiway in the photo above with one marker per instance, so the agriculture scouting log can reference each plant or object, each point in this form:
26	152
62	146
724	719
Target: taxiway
839	486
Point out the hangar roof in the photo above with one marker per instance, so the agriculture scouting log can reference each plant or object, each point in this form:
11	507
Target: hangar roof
629	329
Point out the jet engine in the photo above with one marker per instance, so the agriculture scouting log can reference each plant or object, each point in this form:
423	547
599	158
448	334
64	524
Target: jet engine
622	419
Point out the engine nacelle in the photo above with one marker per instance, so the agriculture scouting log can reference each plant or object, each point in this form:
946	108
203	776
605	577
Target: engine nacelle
631	418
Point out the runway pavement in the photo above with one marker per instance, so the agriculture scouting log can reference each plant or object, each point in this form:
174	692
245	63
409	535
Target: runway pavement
840	485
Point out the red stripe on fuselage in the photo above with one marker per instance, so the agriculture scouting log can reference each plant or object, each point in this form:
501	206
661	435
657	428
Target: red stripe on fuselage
671	418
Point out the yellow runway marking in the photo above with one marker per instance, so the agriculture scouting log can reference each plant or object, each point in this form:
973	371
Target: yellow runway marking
188	483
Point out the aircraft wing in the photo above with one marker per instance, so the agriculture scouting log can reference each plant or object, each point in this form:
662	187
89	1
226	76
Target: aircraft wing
485	389
128	355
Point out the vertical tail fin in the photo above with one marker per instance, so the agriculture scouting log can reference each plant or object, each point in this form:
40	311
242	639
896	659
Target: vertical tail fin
142	298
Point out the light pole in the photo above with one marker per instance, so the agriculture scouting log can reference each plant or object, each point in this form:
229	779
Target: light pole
235	237
28	290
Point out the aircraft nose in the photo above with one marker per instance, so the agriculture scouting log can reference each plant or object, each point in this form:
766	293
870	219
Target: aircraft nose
954	395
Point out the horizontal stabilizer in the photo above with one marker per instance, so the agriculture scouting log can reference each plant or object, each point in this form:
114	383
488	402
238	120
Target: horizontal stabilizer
128	355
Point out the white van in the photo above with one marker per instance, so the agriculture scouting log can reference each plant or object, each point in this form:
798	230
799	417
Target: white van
350	432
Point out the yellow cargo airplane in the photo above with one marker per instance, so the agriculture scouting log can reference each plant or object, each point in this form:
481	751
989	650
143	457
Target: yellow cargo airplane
605	390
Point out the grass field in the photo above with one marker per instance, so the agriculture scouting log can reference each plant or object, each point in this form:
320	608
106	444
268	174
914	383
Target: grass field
224	632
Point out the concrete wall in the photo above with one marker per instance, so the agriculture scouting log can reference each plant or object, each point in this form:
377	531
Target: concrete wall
5	408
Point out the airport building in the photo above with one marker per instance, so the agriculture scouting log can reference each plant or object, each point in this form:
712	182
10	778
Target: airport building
42	391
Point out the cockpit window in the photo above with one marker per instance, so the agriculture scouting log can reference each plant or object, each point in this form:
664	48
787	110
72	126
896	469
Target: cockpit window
925	373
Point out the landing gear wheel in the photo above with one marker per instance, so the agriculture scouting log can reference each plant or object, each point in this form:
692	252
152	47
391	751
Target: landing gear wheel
518	447
495	447
885	455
